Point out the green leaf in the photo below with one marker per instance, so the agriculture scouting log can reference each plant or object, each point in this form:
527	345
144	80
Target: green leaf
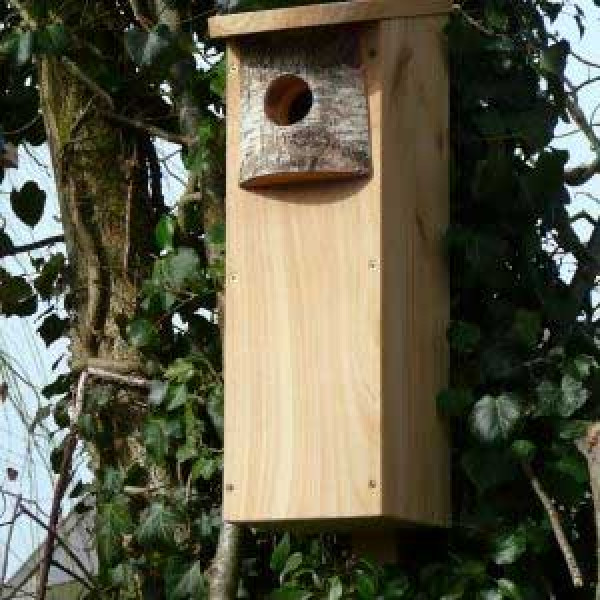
366	587
494	417
527	327
508	548
281	554
25	47
181	371
165	233
489	595
336	589
553	59
16	296
509	589
193	584
142	334
291	564
53	328
52	39
113	521
584	365
177	396
523	449
28	203
291	593
146	47
177	270
563	401
157	525
155	439
158	392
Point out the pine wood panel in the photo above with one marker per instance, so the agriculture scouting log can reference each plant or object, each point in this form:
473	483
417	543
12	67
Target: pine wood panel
415	299
302	379
337	306
322	14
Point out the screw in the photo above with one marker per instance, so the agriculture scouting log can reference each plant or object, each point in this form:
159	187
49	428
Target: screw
373	264
234	278
229	487
372	484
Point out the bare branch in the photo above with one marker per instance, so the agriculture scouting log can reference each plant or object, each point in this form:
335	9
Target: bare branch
559	533
88	81
169	136
223	572
11	528
49	241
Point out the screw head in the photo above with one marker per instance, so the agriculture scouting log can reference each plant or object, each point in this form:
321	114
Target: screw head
373	264
372	484
229	487
234	278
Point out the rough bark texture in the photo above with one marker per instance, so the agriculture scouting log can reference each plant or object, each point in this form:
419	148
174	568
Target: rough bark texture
304	108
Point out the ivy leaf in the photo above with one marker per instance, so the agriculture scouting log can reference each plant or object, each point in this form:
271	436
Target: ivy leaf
291	593
494	417
142	333
114	521
52	39
193	584
508	548
336	589
53	328
554	58
292	564
281	554
155	439
146	47
6	243
25	47
16	296
563	401
165	233
157	525
158	392
28	203
178	269
177	396
509	589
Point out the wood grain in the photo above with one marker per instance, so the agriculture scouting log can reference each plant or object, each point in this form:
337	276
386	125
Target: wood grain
337	304
322	14
332	140
415	302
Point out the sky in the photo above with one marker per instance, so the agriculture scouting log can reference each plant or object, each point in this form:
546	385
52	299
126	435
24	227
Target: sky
20	341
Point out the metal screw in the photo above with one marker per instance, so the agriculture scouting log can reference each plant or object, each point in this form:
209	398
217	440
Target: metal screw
373	264
229	487
372	484
234	278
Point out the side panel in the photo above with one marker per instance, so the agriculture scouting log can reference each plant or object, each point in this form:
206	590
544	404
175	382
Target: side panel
303	340
415	284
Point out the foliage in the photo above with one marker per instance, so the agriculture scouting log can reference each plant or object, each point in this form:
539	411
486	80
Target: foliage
524	346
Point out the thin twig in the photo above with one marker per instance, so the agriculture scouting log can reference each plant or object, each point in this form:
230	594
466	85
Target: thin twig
72	574
37	245
169	136
554	518
130	380
88	81
11	528
590	448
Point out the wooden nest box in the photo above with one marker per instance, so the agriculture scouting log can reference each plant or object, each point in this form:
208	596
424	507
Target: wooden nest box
337	290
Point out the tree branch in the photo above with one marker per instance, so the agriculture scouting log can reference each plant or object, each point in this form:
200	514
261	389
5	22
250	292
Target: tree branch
223	572
169	136
88	81
49	241
559	533
590	448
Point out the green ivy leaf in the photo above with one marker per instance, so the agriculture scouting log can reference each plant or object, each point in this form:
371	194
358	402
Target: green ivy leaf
158	392
142	334
336	589
553	59
157	525
509	589
563	401
28	203
113	521
165	233
281	554
292	564
53	328
146	47
509	547
193	584
155	439
25	47
177	396
495	417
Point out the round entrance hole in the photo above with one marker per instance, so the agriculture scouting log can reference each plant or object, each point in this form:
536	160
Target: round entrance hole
288	100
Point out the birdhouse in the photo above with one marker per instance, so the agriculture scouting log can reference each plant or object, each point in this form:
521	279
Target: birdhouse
8	157
337	289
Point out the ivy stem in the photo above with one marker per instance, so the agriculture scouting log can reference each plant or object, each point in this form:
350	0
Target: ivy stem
559	534
589	446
